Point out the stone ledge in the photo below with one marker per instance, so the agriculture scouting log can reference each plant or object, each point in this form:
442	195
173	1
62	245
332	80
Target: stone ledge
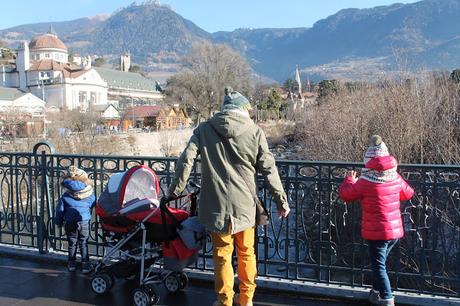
270	283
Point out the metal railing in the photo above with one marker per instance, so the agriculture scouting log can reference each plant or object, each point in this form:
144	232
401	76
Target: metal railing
320	241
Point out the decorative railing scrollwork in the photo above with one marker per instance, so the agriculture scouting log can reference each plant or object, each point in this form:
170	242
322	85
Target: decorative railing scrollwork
320	241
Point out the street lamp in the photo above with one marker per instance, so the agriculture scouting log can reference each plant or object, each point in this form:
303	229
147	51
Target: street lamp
132	110
42	77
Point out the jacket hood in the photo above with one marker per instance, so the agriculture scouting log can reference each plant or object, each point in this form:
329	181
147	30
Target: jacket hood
73	185
382	163
231	123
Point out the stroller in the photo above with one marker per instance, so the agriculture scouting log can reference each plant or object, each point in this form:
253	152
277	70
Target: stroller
138	232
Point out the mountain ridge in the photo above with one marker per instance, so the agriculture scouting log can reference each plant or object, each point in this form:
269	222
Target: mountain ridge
427	32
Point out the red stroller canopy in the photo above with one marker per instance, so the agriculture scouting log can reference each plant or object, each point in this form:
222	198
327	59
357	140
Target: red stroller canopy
136	184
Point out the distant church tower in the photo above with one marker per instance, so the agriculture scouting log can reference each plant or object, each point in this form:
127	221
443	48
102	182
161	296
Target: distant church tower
125	62
23	64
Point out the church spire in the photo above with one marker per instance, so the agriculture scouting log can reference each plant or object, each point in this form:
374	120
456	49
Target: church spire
51	31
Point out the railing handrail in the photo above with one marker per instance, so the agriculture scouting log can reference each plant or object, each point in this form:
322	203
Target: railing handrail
284	161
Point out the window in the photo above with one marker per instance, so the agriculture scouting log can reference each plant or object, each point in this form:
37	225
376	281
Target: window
44	75
81	97
47	55
92	97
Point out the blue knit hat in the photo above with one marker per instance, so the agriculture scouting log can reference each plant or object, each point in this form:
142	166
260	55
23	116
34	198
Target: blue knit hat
235	100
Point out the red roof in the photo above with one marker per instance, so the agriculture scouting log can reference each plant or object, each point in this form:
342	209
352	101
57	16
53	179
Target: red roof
143	111
69	70
47	41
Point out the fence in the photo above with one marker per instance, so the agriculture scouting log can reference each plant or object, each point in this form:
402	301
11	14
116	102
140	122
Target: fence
320	241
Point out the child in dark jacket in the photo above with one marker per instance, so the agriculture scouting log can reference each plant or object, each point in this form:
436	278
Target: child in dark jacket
74	212
380	190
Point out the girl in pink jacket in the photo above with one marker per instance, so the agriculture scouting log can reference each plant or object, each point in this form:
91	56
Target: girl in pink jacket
380	189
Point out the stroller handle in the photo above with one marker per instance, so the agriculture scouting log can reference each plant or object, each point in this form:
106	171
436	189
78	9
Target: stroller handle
194	185
166	200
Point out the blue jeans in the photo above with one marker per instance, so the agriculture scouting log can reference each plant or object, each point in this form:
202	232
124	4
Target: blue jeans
77	236
378	251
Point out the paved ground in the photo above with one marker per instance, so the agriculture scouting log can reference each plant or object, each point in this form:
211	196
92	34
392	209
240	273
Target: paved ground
24	282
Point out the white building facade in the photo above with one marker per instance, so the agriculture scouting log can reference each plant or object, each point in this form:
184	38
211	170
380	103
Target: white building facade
19	102
42	68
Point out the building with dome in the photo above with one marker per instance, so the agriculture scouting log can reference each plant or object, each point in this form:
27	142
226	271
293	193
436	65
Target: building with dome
43	69
48	46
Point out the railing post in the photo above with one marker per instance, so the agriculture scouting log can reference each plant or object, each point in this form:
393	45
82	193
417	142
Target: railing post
44	194
41	213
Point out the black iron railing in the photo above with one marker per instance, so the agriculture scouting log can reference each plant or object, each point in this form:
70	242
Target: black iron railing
320	241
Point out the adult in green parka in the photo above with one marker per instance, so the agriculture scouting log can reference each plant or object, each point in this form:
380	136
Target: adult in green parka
227	208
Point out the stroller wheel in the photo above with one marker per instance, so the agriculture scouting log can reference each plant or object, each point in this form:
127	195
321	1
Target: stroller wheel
146	296
183	280
172	282
101	283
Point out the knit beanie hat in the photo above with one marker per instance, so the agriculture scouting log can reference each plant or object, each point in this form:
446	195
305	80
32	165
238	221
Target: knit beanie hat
235	100
75	173
376	148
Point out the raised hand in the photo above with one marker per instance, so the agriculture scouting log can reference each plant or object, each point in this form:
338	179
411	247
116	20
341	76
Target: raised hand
353	174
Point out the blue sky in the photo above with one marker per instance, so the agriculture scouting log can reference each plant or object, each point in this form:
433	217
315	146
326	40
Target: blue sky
211	15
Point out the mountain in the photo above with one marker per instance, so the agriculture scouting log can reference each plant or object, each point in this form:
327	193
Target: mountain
250	42
425	34
75	33
145	30
149	31
351	44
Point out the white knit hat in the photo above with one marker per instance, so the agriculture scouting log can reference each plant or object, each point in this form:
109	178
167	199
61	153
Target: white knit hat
377	148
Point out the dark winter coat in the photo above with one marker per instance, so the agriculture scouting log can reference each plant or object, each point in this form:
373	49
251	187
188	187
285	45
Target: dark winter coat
75	204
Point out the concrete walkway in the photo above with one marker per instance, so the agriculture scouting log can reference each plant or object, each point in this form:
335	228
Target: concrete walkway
26	282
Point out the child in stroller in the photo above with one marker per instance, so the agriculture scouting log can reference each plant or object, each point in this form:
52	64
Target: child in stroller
138	231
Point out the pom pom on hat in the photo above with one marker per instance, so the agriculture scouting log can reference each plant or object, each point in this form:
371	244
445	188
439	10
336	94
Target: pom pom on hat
228	90
75	173
375	140
376	148
235	100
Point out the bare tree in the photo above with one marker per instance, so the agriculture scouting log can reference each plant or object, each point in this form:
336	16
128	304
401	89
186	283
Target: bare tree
418	118
73	131
208	69
13	122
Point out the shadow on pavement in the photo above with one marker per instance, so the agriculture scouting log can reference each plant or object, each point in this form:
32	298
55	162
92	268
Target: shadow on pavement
24	282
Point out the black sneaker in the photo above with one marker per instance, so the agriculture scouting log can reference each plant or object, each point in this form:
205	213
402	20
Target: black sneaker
86	267
72	265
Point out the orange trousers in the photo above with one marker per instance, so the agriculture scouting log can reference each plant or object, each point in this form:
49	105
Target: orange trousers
223	270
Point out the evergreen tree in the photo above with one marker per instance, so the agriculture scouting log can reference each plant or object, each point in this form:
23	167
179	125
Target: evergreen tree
455	76
98	62
327	88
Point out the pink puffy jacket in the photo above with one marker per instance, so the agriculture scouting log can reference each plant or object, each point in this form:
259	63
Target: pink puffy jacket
381	215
